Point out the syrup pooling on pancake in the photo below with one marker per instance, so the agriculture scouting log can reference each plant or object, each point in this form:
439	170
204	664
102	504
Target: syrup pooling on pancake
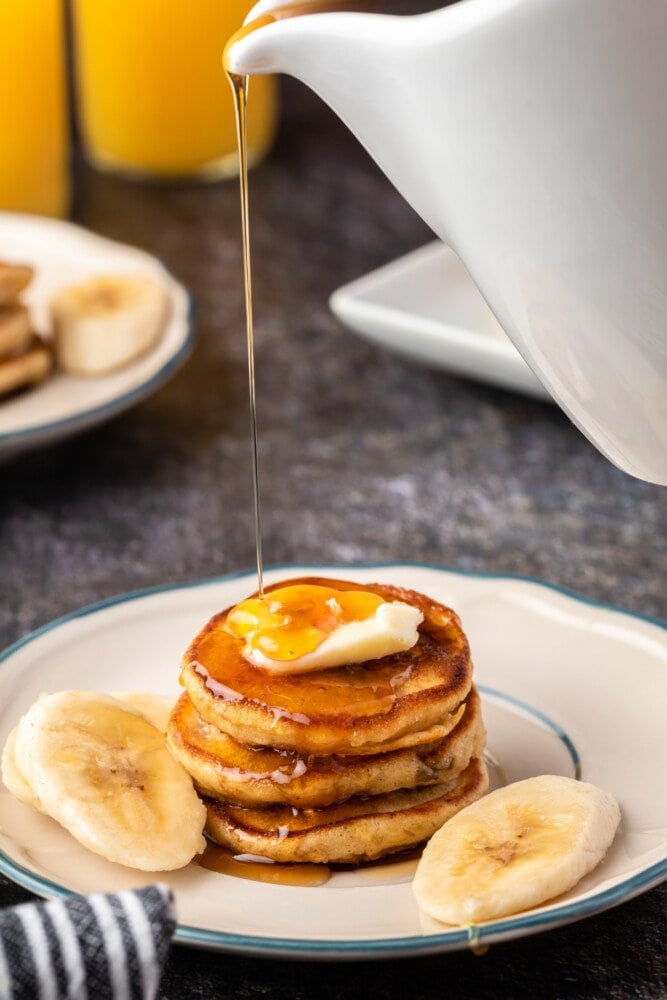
306	626
354	708
295	620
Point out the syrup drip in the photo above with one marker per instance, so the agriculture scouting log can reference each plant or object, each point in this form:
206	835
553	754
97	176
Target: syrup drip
239	85
474	941
229	694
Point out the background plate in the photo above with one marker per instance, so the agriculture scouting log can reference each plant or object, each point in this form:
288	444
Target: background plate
426	306
553	671
64	254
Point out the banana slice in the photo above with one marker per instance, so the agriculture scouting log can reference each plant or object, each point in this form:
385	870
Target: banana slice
104	772
156	707
514	849
13	778
106	322
25	369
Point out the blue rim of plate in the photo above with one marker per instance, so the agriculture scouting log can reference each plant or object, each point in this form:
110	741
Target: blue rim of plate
523	924
86	419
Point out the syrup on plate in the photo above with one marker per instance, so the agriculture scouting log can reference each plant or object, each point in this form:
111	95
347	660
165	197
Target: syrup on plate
249	866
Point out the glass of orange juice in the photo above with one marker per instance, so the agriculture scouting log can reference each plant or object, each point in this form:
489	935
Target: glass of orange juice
34	128
152	97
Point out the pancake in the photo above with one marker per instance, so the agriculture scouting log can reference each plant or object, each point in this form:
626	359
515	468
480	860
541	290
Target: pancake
360	829
357	708
15	329
28	367
418	738
13	279
225	769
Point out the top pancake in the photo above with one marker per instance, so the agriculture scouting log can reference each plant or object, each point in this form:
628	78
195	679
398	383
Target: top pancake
357	708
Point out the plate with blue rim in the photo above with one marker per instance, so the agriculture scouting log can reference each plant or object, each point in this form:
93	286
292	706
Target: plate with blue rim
568	686
63	254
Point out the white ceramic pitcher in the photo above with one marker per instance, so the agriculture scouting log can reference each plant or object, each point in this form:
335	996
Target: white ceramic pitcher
531	135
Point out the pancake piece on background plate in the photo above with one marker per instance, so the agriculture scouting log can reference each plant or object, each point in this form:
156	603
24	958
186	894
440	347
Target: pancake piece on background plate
25	359
337	763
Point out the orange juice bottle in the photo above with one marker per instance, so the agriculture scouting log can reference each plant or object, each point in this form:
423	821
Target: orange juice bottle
34	133
152	97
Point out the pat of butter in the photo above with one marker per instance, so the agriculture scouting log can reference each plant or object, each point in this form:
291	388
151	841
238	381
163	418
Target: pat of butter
392	629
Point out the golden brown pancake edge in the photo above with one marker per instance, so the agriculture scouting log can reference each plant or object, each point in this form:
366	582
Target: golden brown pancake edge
225	769
379	825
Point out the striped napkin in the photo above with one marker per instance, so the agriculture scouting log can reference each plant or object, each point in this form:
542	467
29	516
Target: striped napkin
97	947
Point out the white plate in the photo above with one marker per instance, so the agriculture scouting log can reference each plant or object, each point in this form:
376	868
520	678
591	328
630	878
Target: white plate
65	254
426	307
567	685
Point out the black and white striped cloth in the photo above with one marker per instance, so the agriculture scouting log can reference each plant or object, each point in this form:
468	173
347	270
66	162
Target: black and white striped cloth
97	947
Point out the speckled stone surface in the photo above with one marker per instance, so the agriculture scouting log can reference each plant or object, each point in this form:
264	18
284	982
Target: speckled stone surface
364	457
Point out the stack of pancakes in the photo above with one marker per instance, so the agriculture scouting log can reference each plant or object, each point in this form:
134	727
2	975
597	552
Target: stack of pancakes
24	358
339	765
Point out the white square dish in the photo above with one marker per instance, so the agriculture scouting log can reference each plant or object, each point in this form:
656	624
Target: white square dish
426	307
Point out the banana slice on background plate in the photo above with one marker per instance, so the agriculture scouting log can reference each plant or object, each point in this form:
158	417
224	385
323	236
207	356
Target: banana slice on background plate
514	849
106	322
104	772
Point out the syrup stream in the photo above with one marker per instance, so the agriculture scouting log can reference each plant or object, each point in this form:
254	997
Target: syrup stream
239	85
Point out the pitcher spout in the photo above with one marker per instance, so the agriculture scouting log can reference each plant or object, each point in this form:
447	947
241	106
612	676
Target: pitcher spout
361	65
297	38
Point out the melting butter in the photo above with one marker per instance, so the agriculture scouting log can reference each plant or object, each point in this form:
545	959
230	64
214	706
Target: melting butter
391	629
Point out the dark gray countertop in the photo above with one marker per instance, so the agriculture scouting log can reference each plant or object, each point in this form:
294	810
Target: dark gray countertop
364	457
